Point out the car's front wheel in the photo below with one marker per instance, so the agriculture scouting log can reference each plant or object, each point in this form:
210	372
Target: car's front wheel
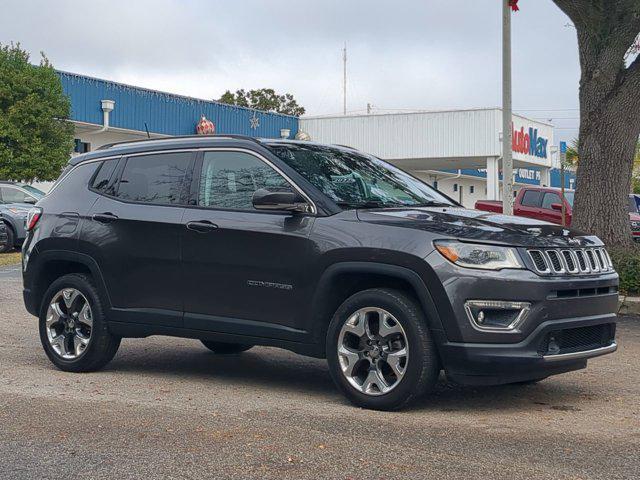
10	245
380	352
73	328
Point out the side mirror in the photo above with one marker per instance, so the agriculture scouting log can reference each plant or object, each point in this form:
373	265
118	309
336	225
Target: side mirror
556	206
30	200
288	200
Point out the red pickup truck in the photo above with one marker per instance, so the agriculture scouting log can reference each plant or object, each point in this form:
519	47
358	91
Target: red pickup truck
546	204
535	202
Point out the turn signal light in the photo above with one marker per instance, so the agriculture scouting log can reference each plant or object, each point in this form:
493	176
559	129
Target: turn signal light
32	218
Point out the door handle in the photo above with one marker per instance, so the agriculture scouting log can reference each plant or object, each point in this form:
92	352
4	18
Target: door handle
105	217
203	226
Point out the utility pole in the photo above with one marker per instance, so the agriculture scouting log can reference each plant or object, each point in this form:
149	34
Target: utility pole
507	130
344	80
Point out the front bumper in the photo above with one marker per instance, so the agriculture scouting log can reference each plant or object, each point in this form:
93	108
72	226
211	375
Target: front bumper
571	319
494	364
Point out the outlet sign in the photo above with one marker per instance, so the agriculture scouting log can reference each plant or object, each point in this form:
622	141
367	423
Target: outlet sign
529	142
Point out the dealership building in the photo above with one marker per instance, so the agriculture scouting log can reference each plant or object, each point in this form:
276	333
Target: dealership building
458	151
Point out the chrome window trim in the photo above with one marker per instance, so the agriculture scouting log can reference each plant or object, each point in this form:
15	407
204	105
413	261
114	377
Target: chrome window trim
259	156
78	165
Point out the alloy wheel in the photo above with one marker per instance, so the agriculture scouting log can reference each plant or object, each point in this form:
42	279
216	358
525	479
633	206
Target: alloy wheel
69	323
372	351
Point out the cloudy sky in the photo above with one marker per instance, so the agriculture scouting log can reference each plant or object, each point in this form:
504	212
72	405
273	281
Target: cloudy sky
402	55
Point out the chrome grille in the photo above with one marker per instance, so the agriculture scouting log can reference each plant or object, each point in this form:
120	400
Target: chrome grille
575	261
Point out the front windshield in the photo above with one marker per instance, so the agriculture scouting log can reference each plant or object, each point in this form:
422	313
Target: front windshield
356	180
34	191
569	196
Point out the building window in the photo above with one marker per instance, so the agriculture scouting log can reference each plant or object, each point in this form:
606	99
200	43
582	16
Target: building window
455	187
472	188
80	146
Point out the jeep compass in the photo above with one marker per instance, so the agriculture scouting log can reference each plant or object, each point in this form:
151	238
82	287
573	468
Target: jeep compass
322	250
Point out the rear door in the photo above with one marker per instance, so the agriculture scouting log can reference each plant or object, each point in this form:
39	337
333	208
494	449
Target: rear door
133	231
243	268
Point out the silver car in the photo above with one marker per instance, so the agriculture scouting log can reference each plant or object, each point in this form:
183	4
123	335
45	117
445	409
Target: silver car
16	199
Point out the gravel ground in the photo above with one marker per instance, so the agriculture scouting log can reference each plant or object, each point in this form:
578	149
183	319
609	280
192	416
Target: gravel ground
168	408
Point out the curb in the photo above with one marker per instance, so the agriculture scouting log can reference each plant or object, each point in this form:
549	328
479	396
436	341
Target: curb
628	305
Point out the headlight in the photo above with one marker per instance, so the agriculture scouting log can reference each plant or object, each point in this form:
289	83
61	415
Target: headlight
485	257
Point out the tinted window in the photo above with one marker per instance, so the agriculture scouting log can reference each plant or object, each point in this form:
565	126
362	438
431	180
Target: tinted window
549	199
13	195
101	180
634	204
531	198
229	179
158	178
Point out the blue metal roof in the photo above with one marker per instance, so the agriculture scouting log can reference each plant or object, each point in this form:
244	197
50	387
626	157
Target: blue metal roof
164	113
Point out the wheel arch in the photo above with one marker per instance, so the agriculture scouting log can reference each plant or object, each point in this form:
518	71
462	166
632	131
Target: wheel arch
341	280
53	264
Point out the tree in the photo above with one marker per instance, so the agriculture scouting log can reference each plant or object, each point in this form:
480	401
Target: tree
35	138
264	99
572	153
607	33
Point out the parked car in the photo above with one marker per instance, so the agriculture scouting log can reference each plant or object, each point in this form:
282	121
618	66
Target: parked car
541	203
3	236
322	250
634	215
15	201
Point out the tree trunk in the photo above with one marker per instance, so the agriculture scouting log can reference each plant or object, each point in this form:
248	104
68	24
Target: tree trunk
609	115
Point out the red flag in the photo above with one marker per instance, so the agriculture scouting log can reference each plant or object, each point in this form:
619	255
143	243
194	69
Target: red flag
514	5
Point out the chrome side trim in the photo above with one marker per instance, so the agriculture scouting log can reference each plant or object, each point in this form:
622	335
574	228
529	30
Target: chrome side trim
596	352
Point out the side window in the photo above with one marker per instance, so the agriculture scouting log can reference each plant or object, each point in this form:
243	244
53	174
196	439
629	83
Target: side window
549	199
531	198
14	195
229	179
157	178
101	182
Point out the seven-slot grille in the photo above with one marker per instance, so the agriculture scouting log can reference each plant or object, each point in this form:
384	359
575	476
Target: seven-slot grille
574	261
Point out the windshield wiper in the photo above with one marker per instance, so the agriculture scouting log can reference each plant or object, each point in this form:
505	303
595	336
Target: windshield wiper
432	204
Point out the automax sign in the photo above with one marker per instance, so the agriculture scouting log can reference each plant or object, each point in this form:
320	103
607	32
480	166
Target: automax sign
528	142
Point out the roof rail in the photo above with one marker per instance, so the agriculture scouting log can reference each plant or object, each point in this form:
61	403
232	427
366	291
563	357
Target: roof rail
177	137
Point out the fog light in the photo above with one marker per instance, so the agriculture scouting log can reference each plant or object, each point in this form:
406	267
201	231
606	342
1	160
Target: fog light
496	315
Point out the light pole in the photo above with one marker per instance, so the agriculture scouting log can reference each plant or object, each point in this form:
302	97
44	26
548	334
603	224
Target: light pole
507	130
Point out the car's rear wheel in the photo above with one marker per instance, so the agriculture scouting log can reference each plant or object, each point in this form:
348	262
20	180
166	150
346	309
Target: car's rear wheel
73	328
225	348
11	242
380	351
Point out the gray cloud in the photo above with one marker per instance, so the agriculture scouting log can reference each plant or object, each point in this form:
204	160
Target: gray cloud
412	54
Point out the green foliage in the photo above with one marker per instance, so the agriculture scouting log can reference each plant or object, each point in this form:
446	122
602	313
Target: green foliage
265	99
35	138
572	153
627	264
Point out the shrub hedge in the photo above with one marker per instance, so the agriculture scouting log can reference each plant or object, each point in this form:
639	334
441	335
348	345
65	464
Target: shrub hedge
627	264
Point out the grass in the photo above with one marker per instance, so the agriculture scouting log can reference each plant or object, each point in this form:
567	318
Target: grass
12	258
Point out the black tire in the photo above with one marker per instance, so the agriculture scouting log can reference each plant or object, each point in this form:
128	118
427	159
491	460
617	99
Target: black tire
102	345
222	348
11	241
423	366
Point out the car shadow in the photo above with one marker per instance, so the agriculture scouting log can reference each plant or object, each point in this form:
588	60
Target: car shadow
285	372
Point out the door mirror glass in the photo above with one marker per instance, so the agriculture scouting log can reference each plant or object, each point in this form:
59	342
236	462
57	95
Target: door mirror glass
282	199
30	200
556	206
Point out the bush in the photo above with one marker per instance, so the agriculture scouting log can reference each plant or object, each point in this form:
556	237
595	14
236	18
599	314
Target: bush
627	264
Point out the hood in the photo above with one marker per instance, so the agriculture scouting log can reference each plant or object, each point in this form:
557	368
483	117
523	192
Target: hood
476	225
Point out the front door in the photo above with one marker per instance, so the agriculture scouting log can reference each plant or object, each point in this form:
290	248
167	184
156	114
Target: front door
242	268
133	231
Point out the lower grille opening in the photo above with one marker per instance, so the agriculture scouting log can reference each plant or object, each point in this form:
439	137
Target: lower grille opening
578	339
583	292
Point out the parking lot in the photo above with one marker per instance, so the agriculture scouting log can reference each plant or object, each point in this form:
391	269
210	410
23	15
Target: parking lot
168	408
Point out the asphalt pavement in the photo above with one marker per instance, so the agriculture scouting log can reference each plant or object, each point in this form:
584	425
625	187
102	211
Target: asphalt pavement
169	408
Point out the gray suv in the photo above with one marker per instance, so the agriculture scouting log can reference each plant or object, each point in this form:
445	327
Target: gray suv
319	249
15	201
